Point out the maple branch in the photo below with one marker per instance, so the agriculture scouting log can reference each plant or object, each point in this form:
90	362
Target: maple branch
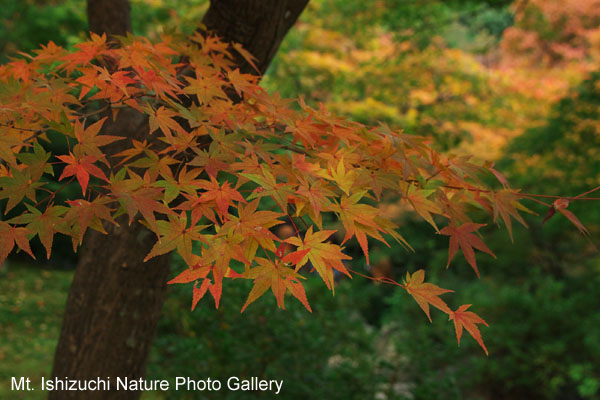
528	196
383	279
588	192
293	224
433	175
52	195
538	201
293	206
548	196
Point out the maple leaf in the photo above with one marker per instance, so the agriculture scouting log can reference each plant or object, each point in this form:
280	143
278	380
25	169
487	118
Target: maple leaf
242	82
137	149
154	164
344	178
210	160
254	227
134	196
462	237
318	197
468	320
269	187
8	143
276	277
89	140
218	252
423	206
358	220
299	163
45	224
121	79
222	195
506	204
11	235
87	51
163	119
37	162
82	169
175	234
198	208
561	205
197	273
17	187
425	293
250	59
207	89
191	274
324	257
501	178
294	257
198	292
86	214
160	84
306	131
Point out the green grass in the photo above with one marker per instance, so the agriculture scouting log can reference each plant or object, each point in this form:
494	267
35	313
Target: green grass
32	301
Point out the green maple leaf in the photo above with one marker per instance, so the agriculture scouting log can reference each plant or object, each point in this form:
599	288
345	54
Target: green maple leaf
17	187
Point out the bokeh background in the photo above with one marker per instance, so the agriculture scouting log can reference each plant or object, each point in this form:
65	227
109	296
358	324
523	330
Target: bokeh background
516	83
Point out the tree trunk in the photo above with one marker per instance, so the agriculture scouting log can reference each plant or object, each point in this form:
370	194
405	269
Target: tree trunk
258	25
115	300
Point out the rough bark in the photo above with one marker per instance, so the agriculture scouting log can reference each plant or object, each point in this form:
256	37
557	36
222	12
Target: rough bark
112	17
115	300
258	25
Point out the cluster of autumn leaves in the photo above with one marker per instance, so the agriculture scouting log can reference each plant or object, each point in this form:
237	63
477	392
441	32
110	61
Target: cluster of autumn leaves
216	175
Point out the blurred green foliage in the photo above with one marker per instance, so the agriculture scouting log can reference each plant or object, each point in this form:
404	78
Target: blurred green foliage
24	25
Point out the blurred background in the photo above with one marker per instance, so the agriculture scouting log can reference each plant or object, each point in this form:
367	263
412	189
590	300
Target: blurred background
512	82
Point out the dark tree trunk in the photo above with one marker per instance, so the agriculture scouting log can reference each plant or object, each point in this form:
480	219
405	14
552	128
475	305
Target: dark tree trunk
258	25
112	17
115	300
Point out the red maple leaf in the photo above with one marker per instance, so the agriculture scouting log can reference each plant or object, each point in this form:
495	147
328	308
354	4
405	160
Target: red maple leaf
82	169
463	238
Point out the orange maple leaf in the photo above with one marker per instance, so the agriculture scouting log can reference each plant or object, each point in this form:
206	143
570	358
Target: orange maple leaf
9	235
423	206
359	220
163	119
506	205
324	256
468	320
246	55
277	277
90	141
425	293
223	195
